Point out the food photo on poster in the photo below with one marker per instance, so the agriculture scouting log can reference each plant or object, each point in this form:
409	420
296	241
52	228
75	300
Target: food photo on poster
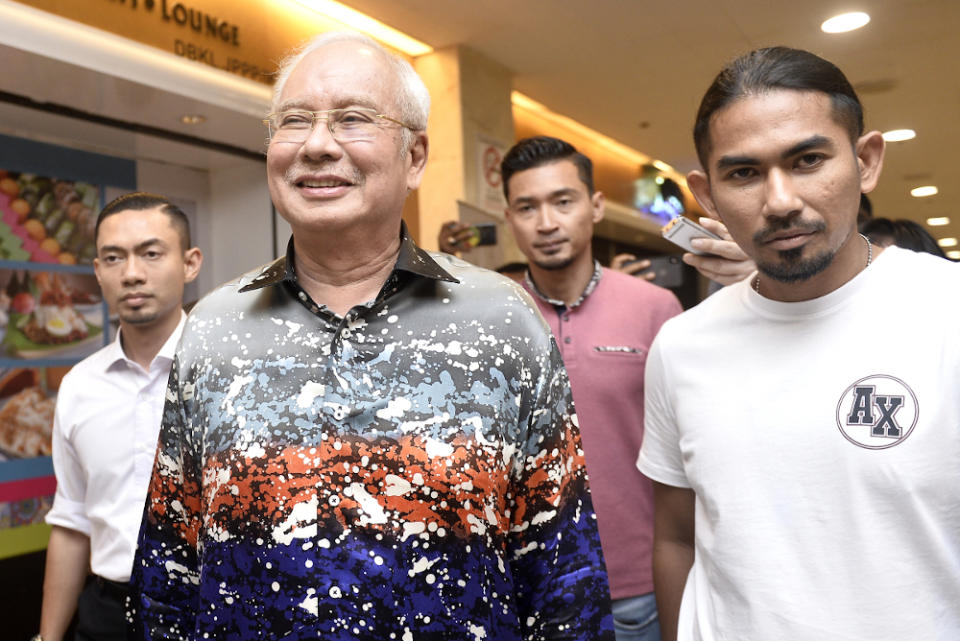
49	314
47	220
27	401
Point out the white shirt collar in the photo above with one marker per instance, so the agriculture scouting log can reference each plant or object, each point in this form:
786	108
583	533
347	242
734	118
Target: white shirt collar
166	352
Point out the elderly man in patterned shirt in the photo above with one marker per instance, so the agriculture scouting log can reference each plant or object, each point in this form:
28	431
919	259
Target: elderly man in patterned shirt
364	440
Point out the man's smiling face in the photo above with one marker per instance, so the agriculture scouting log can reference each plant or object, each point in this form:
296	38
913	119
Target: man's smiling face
321	183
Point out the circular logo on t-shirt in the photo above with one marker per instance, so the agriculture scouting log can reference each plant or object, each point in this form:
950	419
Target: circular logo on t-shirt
877	412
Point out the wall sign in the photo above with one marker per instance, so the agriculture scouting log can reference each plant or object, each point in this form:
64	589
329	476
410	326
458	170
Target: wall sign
244	38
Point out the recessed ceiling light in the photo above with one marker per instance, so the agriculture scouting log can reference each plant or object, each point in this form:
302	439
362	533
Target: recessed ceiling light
938	222
954	254
923	192
192	119
845	22
947	242
899	135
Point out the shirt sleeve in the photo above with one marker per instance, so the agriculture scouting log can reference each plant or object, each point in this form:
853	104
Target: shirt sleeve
554	547
661	458
69	502
165	579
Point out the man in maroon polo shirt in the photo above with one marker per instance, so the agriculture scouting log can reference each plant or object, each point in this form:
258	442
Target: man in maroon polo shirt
604	322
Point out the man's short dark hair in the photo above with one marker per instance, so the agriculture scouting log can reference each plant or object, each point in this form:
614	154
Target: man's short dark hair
141	201
774	68
543	150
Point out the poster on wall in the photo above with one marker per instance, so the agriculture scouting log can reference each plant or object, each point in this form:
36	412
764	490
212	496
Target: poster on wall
490	153
52	314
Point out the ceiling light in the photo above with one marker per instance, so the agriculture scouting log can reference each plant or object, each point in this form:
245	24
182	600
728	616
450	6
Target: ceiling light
845	22
923	192
954	254
373	28
938	222
947	242
192	119
899	135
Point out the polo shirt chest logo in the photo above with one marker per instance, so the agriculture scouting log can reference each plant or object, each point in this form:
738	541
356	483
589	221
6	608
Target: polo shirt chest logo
877	412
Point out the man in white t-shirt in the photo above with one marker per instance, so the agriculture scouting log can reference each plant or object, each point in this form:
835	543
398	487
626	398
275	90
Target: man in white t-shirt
108	417
803	426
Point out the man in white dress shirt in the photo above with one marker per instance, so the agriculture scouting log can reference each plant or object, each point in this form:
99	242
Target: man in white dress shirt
108	417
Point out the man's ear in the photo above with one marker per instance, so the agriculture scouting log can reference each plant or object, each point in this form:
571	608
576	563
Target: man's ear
699	184
192	260
870	150
598	202
418	159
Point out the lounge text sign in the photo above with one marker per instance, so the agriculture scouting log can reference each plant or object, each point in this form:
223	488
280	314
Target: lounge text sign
244	38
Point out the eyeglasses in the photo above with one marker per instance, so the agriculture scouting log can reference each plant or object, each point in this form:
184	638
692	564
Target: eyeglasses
345	125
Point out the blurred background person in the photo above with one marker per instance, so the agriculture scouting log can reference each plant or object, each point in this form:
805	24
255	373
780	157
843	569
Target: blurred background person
902	233
604	323
108	417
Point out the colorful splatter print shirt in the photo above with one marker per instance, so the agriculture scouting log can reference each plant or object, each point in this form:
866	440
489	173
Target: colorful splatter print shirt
410	471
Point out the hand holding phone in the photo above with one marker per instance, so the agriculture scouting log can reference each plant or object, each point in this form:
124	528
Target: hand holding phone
681	230
725	263
457	237
483	234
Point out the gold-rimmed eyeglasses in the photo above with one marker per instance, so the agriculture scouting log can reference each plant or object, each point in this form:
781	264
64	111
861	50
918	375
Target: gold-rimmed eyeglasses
345	125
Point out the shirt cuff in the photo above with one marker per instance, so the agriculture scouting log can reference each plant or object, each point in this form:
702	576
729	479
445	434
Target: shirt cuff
68	514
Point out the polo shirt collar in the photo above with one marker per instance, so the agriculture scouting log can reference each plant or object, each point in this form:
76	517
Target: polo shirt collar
592	285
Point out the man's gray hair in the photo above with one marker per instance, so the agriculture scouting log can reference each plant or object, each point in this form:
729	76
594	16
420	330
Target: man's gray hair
413	100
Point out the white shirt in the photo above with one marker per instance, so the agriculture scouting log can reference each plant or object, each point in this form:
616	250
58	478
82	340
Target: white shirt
105	434
822	439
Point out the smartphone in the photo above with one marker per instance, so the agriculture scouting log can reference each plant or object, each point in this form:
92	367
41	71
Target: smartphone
681	230
483	234
667	270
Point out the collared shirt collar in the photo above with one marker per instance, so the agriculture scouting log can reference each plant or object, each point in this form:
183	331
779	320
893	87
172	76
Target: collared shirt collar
592	285
410	259
166	352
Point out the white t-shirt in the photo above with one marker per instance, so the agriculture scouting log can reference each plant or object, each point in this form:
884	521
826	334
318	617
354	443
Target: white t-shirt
809	526
105	433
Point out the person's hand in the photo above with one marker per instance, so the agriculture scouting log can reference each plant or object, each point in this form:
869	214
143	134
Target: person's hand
454	237
628	264
724	261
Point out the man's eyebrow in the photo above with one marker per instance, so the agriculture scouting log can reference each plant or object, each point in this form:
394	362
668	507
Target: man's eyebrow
804	145
736	161
150	242
346	101
138	247
566	191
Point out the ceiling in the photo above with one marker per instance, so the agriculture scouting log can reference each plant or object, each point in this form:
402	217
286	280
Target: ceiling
633	70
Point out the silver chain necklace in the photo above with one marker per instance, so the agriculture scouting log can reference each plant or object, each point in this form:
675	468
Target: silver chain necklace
756	280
